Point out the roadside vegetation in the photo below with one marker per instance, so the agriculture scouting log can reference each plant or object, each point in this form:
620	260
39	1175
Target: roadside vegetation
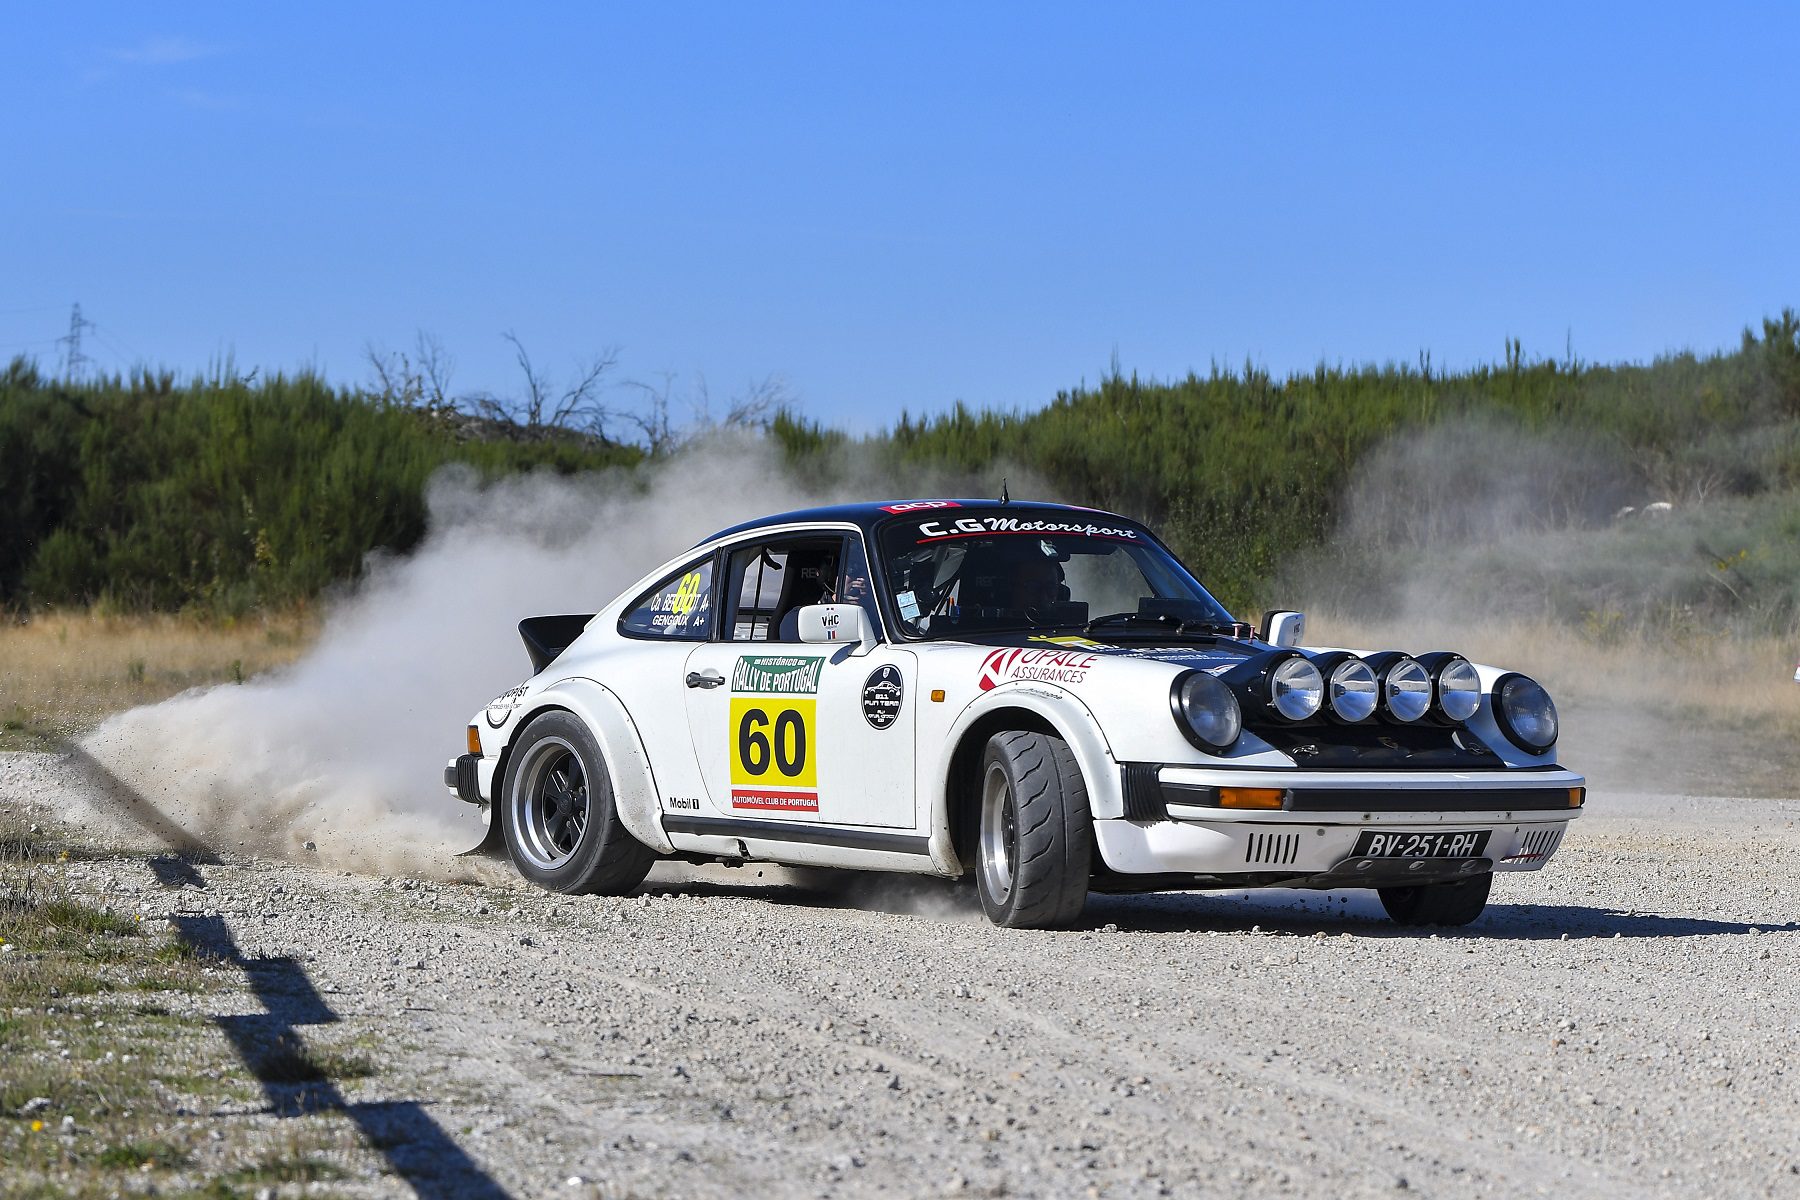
225	495
1248	473
228	495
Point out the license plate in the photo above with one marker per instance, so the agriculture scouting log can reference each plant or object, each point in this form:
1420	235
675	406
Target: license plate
1375	843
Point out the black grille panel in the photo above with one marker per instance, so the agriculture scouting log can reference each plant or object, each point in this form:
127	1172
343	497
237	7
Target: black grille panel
1143	792
1272	849
1537	845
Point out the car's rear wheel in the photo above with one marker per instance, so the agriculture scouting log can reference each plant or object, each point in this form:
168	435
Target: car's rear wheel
562	827
1035	837
1455	903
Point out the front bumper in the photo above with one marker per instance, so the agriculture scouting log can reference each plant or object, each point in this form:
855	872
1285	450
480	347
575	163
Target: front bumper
1175	827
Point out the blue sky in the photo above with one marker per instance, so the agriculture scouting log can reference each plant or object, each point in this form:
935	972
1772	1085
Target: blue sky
894	206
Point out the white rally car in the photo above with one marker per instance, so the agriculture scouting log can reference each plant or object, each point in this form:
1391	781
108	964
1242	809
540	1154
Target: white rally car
1038	694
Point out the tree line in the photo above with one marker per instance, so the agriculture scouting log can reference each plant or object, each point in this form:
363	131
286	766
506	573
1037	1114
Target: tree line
225	493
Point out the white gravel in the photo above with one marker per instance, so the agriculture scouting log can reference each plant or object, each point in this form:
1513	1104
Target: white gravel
1624	1023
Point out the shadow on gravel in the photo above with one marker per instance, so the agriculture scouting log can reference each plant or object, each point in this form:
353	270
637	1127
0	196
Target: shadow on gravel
175	870
1189	912
125	800
296	1082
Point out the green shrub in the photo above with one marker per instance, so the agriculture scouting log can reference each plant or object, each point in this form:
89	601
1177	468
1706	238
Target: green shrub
223	495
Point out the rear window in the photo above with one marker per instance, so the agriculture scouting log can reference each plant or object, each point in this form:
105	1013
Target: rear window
680	608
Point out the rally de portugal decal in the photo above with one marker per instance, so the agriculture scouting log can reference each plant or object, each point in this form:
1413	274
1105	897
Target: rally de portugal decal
773	743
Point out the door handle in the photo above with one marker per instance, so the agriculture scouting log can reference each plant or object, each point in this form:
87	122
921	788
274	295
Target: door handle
704	679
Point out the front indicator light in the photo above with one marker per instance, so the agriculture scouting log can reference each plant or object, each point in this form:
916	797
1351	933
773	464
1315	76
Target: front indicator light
474	739
1577	797
1244	797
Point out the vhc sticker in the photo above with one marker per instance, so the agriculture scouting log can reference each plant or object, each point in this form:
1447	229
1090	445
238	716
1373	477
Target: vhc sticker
882	695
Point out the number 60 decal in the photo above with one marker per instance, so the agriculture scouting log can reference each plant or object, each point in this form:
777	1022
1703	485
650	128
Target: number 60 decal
772	741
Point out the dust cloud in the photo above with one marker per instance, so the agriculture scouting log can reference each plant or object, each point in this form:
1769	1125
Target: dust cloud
1537	553
346	748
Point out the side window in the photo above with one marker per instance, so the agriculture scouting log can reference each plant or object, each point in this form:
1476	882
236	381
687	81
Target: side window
756	579
858	585
769	584
680	608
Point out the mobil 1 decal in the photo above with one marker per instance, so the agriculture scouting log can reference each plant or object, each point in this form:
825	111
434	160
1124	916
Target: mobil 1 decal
882	694
774	719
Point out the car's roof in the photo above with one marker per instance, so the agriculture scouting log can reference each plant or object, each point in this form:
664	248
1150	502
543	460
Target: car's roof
871	513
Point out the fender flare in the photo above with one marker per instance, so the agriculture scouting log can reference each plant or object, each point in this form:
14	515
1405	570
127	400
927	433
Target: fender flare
627	762
1057	707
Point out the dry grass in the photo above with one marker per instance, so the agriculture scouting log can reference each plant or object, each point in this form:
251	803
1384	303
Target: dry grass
63	671
1713	713
82	1036
110	1057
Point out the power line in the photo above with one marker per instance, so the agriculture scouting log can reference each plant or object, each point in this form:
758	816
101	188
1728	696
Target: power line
124	354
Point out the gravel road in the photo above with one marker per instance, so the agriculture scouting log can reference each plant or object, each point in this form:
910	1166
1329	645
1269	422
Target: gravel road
1623	1023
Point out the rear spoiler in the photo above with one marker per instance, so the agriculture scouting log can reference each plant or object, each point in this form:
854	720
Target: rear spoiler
547	637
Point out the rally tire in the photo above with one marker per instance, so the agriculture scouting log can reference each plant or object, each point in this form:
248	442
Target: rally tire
1035	836
559	816
1455	903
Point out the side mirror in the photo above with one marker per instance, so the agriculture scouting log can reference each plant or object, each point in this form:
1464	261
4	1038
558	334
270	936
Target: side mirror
1282	627
844	624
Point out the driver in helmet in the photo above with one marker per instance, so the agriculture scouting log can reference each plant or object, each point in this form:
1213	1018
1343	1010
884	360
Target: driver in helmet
1036	583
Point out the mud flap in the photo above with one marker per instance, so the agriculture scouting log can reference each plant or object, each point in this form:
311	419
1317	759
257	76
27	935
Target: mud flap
493	843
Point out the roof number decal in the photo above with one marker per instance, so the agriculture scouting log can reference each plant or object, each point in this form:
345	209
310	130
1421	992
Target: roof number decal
919	506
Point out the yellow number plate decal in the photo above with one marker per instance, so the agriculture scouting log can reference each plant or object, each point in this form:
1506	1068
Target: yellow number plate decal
774	753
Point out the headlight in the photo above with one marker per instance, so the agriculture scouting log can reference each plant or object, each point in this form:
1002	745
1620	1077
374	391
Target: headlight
1296	689
1351	690
1457	688
1525	713
1406	690
1206	710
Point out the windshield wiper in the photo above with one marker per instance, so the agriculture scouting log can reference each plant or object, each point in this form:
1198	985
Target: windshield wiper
1162	620
1127	618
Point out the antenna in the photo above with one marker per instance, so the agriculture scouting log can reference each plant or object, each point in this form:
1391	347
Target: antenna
1005	496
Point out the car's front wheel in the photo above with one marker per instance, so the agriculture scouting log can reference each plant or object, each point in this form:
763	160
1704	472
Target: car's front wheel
1035	843
562	827
1455	903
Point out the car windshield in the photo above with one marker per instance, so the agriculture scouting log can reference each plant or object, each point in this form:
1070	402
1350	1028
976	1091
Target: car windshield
951	574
